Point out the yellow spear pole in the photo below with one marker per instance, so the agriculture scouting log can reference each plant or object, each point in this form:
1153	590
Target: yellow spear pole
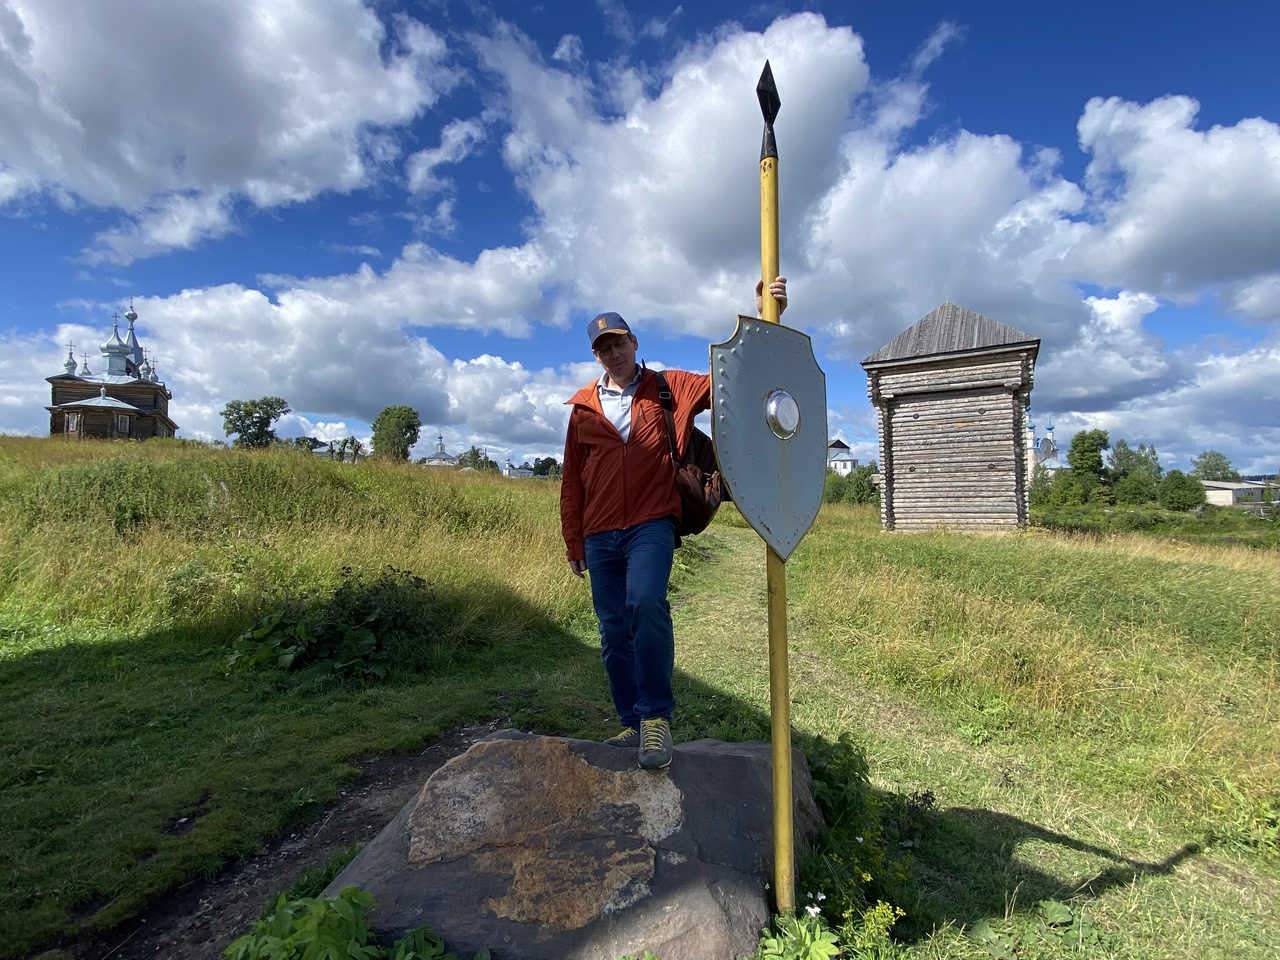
776	570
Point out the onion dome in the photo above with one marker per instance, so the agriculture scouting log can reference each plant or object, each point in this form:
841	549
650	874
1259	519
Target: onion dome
114	345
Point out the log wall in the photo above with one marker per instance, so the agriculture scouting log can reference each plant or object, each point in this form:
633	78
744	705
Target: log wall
953	441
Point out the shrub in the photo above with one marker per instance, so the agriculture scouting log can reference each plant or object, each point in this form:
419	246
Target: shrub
1102	494
1181	492
358	633
1136	489
1066	490
854	488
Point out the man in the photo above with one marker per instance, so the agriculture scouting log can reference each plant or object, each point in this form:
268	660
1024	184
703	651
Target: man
618	507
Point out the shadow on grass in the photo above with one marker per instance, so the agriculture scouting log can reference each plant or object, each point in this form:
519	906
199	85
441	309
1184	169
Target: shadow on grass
111	741
114	741
967	868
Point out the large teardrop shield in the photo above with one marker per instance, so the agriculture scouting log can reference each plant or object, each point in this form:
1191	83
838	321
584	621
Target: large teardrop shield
769	427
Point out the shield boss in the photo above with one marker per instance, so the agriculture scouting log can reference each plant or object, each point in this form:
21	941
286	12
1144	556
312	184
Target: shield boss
769	426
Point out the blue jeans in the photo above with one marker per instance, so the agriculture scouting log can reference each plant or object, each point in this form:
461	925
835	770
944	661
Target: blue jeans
629	570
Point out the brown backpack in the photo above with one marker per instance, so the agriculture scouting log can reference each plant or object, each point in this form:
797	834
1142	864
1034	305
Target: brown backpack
697	475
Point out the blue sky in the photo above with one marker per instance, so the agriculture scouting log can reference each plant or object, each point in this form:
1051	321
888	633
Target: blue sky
352	205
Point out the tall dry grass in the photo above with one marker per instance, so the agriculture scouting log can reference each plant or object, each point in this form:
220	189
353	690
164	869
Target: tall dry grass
1162	658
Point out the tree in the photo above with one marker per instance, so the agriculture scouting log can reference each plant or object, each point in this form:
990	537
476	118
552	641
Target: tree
477	459
1124	461
1041	484
309	444
348	447
1137	488
252	421
1066	489
861	487
1085	457
1181	492
856	487
395	431
1212	465
546	467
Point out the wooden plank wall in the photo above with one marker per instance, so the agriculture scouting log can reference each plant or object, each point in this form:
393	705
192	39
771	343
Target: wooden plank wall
144	398
953	442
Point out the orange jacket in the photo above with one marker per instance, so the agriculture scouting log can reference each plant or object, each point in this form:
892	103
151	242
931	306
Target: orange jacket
611	485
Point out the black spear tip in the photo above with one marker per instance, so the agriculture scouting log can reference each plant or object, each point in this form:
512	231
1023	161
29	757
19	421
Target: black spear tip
767	92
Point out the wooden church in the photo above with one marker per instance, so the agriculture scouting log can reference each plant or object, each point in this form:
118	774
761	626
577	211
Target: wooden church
951	394
126	401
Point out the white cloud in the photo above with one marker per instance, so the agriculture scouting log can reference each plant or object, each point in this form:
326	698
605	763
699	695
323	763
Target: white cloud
653	212
569	50
1179	208
1224	402
1257	300
642	184
174	222
458	141
1112	359
164	111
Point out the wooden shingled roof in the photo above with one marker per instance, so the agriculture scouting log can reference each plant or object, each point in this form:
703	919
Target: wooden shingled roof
950	329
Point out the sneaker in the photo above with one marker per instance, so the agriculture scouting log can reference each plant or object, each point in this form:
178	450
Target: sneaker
655	744
626	737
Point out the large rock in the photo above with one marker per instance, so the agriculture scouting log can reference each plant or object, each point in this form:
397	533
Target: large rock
543	848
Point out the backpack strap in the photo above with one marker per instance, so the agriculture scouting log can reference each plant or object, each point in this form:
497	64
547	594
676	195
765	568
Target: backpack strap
664	397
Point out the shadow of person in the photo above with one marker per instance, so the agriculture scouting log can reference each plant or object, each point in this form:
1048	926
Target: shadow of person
972	864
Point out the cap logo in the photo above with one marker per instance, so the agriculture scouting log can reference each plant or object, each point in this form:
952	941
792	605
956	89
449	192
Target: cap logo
601	323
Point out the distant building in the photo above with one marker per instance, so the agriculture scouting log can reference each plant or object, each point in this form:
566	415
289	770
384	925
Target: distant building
839	459
511	470
440	458
1225	493
951	394
1042	451
127	401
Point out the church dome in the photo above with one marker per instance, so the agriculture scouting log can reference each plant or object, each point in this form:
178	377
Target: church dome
114	344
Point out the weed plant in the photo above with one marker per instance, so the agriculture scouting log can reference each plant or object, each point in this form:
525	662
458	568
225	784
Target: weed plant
333	927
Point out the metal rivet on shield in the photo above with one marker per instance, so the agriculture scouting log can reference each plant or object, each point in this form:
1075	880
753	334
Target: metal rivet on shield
783	414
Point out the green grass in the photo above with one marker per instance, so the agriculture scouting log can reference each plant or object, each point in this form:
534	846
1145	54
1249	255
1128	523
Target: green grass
1095	719
1209	524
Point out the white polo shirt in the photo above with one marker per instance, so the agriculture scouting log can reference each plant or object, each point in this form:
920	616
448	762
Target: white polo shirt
616	404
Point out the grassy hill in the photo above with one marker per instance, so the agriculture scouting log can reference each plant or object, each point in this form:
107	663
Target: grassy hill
1091	723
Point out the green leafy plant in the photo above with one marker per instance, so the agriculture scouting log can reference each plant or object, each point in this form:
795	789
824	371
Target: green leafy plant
864	855
313	881
349	636
1055	925
332	928
324	929
799	938
870	939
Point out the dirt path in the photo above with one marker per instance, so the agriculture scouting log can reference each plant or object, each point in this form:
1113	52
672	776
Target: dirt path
198	920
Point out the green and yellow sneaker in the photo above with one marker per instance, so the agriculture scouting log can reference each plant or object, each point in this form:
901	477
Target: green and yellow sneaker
626	737
655	744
